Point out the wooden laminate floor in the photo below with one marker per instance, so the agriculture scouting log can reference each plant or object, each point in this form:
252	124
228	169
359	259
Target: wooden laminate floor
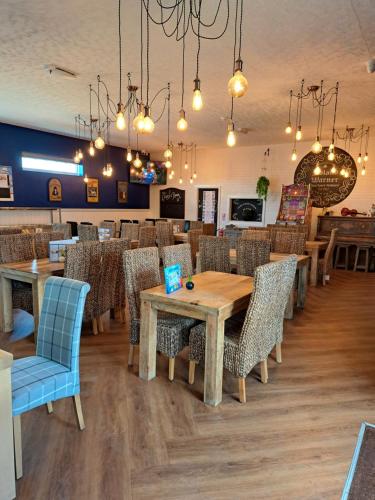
294	439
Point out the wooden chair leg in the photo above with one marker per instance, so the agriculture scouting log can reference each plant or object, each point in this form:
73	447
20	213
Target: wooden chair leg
100	324
356	259
131	355
278	353
95	330
171	369
17	438
49	407
242	389
122	314
264	371
191	372
78	411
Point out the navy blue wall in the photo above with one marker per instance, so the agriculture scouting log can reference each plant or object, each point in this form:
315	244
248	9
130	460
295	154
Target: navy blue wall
31	188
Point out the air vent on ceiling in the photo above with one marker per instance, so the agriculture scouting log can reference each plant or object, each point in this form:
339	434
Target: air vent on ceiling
58	71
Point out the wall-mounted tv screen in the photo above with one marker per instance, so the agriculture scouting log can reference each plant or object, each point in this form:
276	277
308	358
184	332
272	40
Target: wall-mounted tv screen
151	172
246	209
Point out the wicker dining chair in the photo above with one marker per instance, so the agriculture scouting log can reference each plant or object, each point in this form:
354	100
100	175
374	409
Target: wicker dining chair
141	267
41	243
208	229
252	254
289	242
111	225
214	254
64	228
325	264
147	236
17	248
196	224
193	240
82	263
10	230
164	234
129	231
87	232
255	234
178	254
249	343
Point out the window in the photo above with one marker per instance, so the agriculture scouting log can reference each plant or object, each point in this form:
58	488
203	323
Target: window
50	165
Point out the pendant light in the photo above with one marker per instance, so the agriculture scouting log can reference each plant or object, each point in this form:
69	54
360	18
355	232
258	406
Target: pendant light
85	179
120	117
333	169
317	170
129	155
99	141
294	155
197	103
317	147
137	162
238	84
182	124
91	147
148	124
288	128
231	137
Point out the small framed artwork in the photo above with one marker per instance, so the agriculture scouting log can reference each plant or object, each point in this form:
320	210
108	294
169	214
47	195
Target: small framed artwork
122	191
92	190
6	184
54	190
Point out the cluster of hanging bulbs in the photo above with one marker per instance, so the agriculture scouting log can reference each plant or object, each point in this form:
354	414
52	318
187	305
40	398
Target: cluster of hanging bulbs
107	170
78	156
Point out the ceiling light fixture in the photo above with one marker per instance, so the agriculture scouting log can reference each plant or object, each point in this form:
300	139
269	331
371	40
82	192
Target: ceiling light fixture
238	84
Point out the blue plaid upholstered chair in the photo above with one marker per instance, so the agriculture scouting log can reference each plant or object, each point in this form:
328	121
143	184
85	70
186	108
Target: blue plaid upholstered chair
54	372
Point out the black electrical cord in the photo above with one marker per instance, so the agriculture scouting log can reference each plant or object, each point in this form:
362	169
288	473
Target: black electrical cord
120	50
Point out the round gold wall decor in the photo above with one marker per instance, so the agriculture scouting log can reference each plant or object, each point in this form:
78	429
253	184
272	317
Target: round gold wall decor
327	189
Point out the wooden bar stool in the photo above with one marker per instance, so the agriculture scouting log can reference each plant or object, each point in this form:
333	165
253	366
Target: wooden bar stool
365	265
339	248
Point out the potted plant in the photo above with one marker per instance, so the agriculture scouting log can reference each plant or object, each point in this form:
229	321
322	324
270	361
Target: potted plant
262	187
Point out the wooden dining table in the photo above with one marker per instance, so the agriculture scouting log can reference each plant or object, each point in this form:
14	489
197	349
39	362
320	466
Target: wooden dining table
34	272
215	297
312	248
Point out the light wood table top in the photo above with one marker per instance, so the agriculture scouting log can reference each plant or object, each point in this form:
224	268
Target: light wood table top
180	237
36	267
315	244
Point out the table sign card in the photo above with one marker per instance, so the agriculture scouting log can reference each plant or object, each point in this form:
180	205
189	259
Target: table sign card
173	279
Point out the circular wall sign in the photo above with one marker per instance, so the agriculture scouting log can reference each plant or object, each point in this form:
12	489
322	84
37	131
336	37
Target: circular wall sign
328	188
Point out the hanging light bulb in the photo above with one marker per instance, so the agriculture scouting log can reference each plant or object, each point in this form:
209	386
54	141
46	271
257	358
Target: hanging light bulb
180	180
80	154
346	175
316	147
76	157
132	170
86	179
363	171
105	171
182	124
129	155
195	175
365	158
317	169
342	172
299	133
197	96
331	156
186	166
237	85
170	176
359	159
99	142
168	164
294	155
91	149
333	169
120	118
109	169
331	147
231	137
167	153
137	162
288	128
138	122
191	180
148	124
172	173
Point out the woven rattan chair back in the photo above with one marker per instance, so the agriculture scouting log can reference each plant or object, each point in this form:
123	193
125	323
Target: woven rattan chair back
252	234
193	240
66	229
130	231
164	234
196	224
109	225
147	236
16	248
178	224
10	230
252	254
214	254
141	268
41	242
87	233
208	229
178	254
289	242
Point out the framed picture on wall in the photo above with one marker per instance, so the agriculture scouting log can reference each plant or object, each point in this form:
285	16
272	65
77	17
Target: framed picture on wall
92	190
6	184
122	191
54	190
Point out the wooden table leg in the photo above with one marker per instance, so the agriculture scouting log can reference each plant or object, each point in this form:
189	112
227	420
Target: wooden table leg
289	310
38	293
6	304
213	371
148	340
314	266
302	286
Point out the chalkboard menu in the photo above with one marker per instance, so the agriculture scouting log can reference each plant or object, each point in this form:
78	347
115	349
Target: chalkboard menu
172	203
330	187
246	209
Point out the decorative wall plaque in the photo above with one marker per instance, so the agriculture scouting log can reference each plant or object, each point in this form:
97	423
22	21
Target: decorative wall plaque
92	190
6	184
327	189
54	190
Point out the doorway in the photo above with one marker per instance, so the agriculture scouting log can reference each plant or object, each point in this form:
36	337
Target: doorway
208	202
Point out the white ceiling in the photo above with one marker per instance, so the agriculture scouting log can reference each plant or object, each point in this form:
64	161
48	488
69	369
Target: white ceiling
283	41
